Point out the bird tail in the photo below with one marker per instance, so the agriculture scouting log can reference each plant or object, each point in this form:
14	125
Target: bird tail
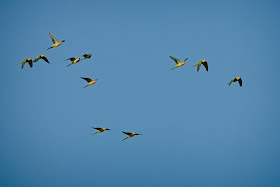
86	86
229	83
174	67
69	65
194	65
95	133
49	48
125	138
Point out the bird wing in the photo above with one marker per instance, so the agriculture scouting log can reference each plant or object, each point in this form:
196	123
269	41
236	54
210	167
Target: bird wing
205	65
23	63
30	63
198	66
85	55
240	82
37	58
127	133
137	134
97	128
231	82
186	59
72	58
87	79
175	59
45	59
53	38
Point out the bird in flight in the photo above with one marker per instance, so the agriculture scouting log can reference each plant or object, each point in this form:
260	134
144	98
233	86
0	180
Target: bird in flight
100	130
178	62
55	42
90	82
42	56
86	56
29	60
129	134
236	79
73	60
204	62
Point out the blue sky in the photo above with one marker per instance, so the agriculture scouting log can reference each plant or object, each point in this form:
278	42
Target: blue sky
196	130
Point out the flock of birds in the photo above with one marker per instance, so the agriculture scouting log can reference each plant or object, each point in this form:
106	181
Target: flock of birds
92	82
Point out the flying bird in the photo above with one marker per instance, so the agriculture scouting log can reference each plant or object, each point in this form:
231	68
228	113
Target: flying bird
129	134
178	62
100	130
204	62
29	60
73	60
90	82
236	79
86	56
55	42
42	56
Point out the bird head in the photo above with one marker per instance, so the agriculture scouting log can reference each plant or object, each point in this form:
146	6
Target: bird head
43	55
204	60
29	59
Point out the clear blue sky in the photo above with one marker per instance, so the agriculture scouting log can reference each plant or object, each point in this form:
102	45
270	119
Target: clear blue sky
196	130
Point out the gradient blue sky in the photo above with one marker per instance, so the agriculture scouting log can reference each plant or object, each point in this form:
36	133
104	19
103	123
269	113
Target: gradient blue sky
197	131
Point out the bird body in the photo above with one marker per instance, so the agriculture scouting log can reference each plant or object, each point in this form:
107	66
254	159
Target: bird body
29	60
73	60
203	62
90	82
99	130
42	56
55	42
236	79
178	62
86	56
129	134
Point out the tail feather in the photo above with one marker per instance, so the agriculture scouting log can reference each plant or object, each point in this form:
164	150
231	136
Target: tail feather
69	65
174	67
86	86
125	138
95	133
49	48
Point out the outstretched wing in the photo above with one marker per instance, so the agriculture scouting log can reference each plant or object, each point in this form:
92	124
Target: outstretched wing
45	59
127	133
175	59
53	38
37	58
240	82
198	66
186	59
205	65
231	82
137	134
97	128
72	58
87	79
30	63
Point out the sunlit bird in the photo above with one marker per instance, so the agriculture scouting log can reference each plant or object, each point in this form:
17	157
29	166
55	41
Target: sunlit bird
29	60
90	82
129	134
73	60
100	130
42	56
178	62
203	62
236	79
86	56
55	42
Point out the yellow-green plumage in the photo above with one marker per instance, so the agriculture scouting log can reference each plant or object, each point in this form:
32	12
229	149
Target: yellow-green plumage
178	62
90	82
27	60
99	130
203	62
55	42
73	60
130	135
87	56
